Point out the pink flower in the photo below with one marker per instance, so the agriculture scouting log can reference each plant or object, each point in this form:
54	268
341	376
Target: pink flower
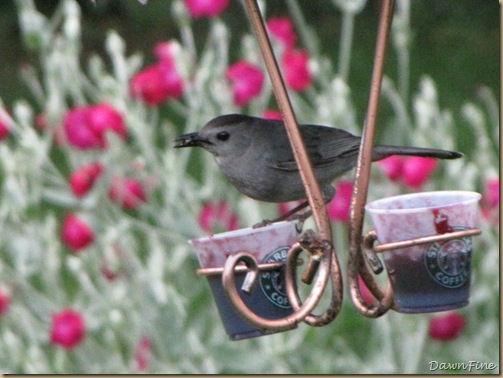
82	179
205	8
272	114
417	170
4	130
392	167
67	329
491	200
127	192
75	233
216	216
446	327
246	80
157	83
103	118
85	126
366	294
4	302
281	28
338	208
491	195
412	171
295	71
142	354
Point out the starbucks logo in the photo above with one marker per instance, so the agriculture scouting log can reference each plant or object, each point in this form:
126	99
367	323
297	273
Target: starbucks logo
448	263
272	281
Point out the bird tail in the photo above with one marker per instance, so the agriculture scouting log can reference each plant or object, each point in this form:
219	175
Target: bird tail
381	152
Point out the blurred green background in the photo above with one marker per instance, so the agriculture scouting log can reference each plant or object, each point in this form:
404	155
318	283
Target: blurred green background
454	41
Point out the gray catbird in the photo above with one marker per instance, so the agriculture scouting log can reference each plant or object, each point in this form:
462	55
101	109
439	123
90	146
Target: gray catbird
256	156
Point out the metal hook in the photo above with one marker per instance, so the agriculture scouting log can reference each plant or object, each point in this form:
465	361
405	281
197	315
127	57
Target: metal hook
356	264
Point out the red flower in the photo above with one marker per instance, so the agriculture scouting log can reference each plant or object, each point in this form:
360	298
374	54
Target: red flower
205	8
157	83
127	192
246	80
4	130
272	114
215	216
294	65
82	179
67	328
365	292
446	327
142	354
76	234
417	170
412	171
4	302
392	167
491	200
491	195
85	126
338	208
281	28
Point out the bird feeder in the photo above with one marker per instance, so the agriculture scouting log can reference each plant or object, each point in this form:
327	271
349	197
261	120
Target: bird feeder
440	245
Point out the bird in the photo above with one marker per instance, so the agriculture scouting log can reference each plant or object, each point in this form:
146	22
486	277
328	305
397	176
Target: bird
256	156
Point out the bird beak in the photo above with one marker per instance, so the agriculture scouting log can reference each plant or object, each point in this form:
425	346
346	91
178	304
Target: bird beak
190	140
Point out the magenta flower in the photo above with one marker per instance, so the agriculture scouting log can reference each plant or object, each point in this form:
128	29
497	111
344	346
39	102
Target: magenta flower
338	208
272	114
4	302
127	192
491	195
85	126
417	170
246	80
412	171
142	354
392	167
446	327
75	233
216	216
4	130
205	8
281	29
156	83
295	71
491	200
67	329
82	179
366	294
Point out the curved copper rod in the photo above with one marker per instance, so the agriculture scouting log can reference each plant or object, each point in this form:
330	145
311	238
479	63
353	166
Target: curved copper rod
328	261
359	197
292	292
313	192
255	320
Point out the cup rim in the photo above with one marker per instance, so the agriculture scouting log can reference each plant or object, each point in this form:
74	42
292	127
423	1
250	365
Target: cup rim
242	232
469	197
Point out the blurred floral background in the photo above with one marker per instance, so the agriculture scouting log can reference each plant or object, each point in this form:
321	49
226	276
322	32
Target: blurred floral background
96	207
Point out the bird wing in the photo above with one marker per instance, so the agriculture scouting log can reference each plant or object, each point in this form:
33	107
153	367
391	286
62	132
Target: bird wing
324	145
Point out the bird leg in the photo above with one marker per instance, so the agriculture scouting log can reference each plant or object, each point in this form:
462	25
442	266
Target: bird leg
288	215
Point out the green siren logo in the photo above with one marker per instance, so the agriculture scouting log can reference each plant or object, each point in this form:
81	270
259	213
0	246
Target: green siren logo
449	263
272	281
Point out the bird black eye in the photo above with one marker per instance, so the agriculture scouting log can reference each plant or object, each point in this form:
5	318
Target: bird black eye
223	135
